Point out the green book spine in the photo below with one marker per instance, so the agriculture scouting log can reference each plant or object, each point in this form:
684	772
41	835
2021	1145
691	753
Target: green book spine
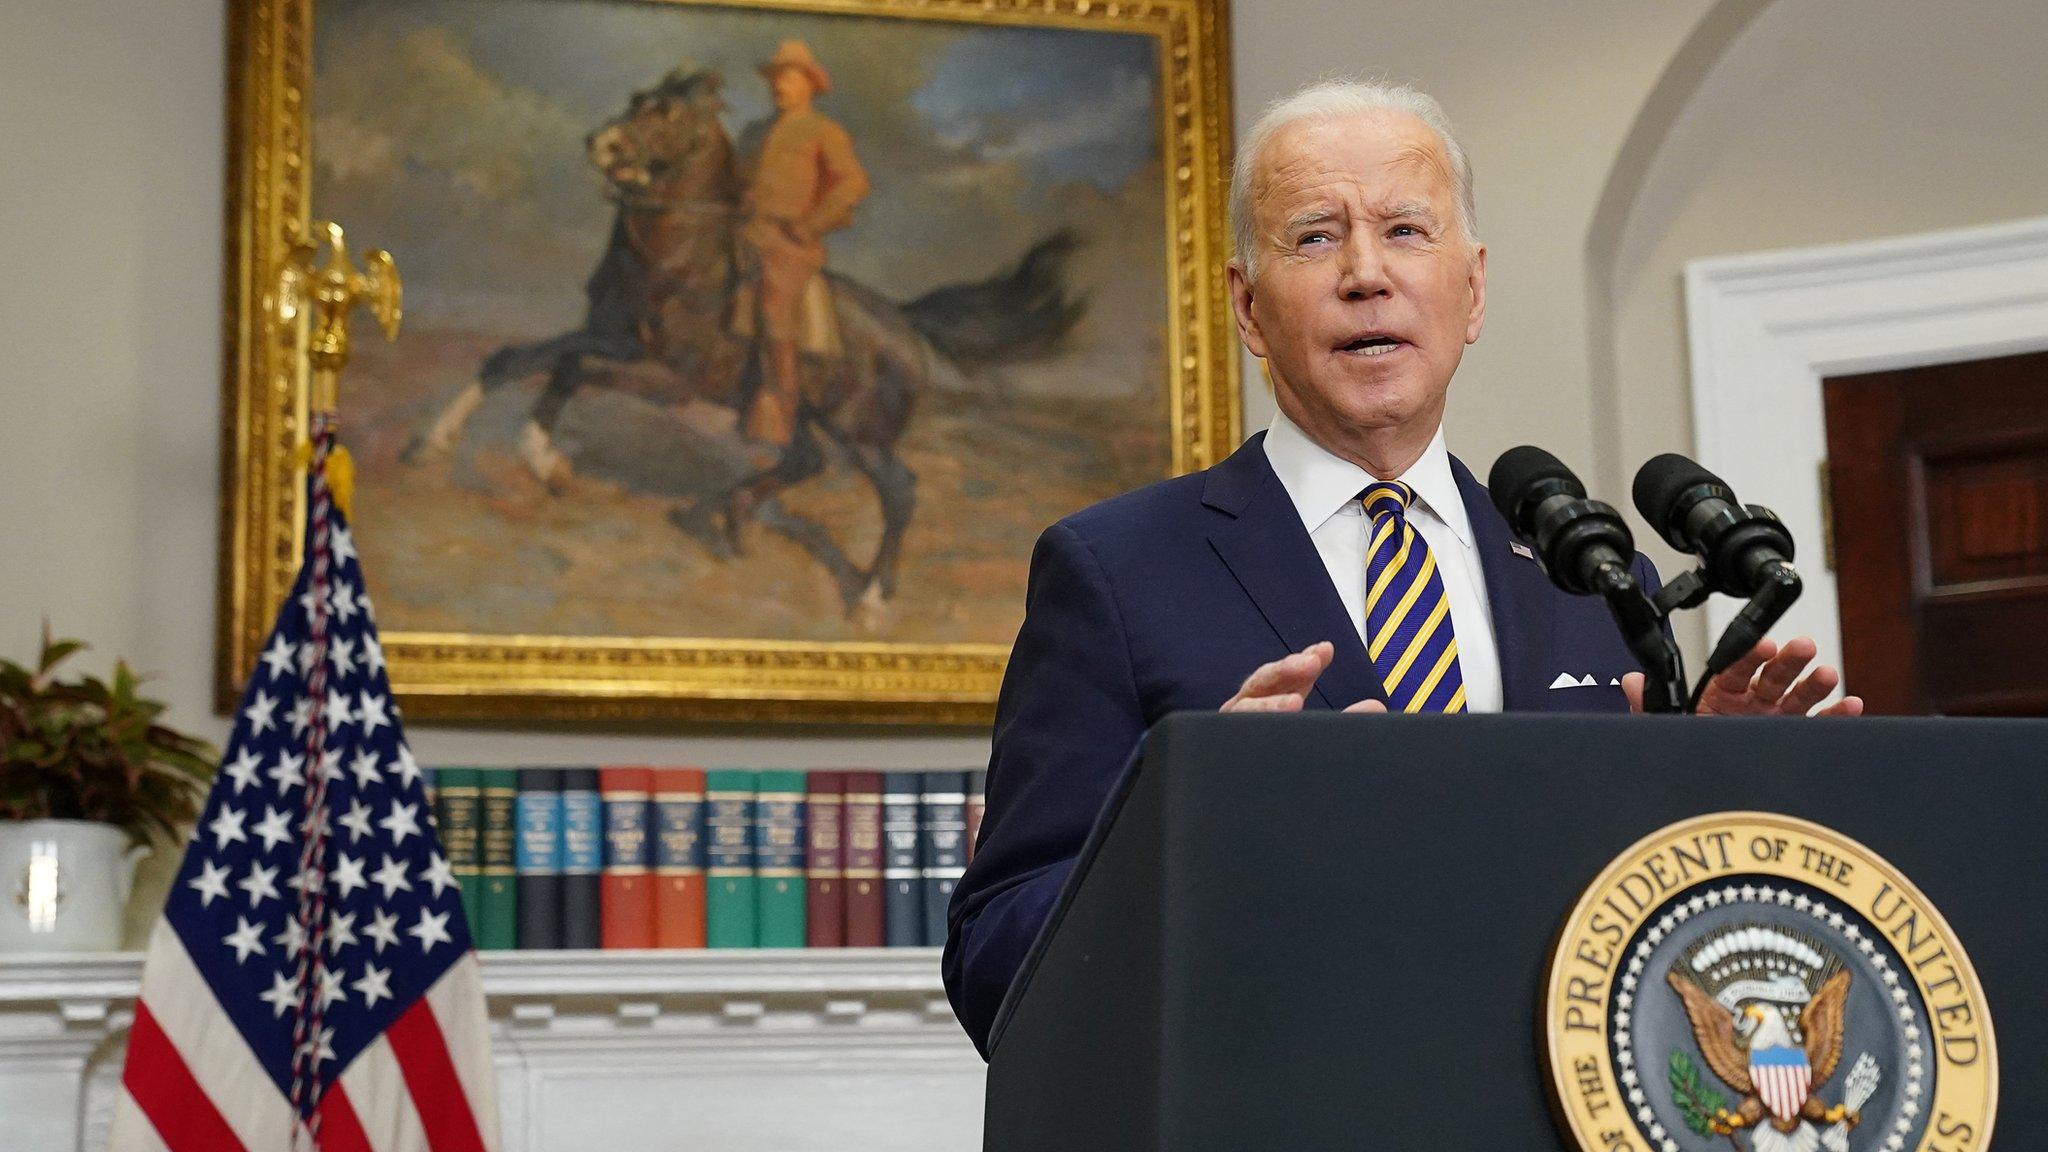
779	858
731	918
458	810
498	908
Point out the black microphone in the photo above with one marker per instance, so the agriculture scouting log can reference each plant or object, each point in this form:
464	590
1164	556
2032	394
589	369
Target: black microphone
1583	545
1743	550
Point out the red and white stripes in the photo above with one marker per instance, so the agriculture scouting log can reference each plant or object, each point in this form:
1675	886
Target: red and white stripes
191	1083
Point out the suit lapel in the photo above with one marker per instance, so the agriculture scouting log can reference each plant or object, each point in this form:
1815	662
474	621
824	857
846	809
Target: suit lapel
1518	592
1268	550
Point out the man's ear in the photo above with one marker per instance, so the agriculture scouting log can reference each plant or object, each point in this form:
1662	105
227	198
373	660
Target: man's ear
1241	307
1477	282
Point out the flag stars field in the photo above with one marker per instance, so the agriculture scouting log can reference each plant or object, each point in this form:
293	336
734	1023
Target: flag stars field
227	827
288	772
391	877
375	985
383	928
347	875
431	930
246	939
261	713
242	769
212	881
357	821
277	659
275	828
364	768
403	821
233	949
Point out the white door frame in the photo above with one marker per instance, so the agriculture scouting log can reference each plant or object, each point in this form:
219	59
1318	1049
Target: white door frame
1766	328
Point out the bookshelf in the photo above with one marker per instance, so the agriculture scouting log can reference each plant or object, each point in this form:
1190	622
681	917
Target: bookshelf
783	1049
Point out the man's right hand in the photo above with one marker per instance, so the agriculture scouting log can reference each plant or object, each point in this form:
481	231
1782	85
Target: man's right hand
1284	684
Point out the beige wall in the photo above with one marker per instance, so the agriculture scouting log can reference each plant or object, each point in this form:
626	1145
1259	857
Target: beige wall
1612	142
1828	121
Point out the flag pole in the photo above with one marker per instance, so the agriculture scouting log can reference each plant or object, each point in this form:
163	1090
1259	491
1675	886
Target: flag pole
326	295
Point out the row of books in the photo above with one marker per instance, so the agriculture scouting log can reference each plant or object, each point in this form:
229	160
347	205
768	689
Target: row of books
690	858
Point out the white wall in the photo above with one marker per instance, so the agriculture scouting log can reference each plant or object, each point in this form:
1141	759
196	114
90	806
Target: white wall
1612	141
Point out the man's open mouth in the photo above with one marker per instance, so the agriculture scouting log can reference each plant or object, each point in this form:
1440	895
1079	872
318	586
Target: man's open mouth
1372	345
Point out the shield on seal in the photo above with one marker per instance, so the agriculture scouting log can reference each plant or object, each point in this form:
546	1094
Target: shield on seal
1782	1078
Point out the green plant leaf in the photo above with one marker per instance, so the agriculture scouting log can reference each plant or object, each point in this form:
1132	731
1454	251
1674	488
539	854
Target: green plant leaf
88	749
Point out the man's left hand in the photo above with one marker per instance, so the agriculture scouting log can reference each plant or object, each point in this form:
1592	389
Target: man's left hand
1766	682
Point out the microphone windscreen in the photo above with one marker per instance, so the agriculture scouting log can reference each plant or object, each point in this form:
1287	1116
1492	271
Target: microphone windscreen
1520	468
1662	480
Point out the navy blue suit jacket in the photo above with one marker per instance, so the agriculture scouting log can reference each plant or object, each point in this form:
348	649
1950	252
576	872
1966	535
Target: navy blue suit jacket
1163	600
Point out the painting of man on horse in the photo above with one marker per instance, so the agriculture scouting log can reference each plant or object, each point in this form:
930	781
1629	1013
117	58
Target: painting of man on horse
714	287
770	376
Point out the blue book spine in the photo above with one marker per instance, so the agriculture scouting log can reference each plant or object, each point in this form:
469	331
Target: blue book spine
942	828
582	858
902	863
538	855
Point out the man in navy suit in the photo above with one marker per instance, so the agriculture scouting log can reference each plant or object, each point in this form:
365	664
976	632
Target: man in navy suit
1359	280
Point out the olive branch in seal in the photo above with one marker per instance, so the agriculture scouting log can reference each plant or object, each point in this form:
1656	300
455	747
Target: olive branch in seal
1699	1103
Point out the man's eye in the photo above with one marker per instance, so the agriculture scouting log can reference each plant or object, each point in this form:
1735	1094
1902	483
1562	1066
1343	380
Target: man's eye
1404	230
1314	238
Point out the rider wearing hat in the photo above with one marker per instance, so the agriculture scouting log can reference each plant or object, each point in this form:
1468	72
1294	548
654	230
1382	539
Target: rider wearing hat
805	184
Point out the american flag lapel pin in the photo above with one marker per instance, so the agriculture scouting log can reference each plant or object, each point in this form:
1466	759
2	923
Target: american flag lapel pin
1521	549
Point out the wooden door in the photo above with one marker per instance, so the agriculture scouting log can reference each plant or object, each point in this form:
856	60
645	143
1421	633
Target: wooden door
1939	483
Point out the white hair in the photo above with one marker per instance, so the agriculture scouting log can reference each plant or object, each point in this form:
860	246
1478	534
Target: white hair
1326	100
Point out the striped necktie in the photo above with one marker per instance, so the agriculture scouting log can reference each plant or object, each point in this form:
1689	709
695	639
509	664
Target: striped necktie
1407	616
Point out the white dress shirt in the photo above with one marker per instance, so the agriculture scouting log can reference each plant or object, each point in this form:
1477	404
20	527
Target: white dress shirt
1325	488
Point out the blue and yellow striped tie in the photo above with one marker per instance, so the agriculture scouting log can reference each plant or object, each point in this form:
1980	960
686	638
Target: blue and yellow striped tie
1407	616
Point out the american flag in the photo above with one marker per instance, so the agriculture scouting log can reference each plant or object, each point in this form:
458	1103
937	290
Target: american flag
312	982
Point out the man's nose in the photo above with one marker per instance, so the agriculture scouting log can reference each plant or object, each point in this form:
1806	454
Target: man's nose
1363	273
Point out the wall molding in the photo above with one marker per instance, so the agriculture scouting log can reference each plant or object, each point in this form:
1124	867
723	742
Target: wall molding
783	1050
1766	328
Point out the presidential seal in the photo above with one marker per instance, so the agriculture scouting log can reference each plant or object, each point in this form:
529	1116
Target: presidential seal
1761	982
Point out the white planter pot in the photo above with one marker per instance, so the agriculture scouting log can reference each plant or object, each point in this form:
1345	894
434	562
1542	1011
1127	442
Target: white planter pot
63	884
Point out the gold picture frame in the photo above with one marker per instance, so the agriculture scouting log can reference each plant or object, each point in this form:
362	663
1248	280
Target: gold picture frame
519	677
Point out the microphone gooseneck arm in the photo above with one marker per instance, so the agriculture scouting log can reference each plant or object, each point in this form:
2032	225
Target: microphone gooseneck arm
1642	629
1779	587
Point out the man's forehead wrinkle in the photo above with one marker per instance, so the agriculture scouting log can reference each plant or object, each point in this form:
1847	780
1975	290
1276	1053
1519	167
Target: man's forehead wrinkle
1425	157
1300	191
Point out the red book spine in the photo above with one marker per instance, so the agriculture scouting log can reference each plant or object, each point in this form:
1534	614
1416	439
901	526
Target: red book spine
626	884
824	860
863	857
679	858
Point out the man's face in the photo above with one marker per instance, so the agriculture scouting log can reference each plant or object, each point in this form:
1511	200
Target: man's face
1366	291
792	87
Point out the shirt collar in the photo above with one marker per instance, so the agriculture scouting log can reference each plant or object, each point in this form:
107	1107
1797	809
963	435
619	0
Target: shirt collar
1320	483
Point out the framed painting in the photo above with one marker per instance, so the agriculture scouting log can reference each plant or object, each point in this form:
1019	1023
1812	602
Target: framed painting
748	345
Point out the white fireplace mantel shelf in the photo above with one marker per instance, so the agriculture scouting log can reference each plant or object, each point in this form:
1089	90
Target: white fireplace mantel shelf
785	1050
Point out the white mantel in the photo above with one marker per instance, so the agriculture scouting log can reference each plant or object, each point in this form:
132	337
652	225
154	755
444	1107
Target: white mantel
839	1049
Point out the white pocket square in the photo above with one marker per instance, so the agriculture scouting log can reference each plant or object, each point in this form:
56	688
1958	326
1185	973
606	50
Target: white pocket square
1567	680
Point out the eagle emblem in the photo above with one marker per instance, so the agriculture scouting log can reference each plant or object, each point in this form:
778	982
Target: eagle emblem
1766	1007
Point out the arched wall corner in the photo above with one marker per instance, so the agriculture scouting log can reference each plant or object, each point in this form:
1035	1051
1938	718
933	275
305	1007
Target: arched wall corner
1765	329
1680	81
